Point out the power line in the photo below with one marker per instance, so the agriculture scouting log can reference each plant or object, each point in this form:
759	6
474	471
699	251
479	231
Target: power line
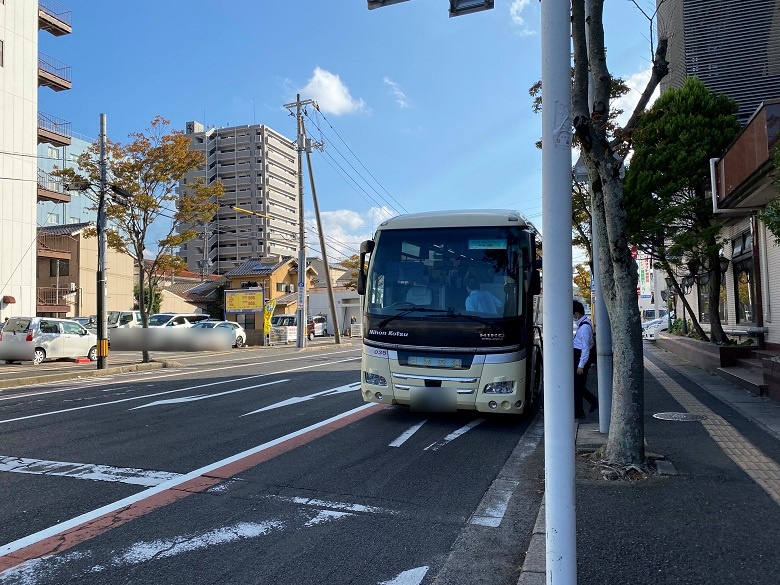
361	163
356	171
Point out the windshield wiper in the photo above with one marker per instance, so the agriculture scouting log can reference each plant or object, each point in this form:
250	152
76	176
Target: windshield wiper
453	313
410	310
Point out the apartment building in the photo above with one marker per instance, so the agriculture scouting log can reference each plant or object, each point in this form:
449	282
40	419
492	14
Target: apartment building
73	206
67	273
22	70
733	46
258	215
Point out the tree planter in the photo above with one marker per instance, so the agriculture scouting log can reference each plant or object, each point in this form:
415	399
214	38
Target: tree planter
707	356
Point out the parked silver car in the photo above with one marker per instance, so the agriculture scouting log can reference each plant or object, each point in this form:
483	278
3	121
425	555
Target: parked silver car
39	338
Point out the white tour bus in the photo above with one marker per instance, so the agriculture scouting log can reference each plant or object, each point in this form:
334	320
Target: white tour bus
448	311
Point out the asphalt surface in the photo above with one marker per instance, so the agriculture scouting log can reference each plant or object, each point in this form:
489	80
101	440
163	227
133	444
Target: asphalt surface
715	521
275	471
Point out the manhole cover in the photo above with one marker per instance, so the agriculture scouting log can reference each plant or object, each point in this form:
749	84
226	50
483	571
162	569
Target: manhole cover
681	416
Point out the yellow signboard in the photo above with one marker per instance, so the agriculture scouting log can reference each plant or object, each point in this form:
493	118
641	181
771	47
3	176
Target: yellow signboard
243	301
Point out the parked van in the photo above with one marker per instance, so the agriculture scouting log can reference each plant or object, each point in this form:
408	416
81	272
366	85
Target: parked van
316	326
40	338
175	319
124	319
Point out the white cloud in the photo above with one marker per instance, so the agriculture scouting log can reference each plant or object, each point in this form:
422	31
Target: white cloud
637	83
344	230
400	96
515	10
331	94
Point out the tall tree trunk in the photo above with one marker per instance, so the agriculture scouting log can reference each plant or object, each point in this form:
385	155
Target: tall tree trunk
619	275
717	335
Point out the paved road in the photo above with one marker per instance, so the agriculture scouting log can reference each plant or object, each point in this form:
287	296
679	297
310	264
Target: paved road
259	466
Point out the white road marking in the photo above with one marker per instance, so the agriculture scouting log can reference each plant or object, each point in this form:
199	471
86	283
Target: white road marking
324	516
403	437
410	577
124	502
335	505
205	396
129	475
454	435
494	503
297	399
63	410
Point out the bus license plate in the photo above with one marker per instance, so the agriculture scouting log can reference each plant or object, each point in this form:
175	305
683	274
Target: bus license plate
434	362
433	399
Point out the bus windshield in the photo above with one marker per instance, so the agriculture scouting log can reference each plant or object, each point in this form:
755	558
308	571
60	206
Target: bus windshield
458	271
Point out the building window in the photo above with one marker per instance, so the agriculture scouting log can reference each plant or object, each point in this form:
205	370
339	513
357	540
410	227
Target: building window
744	290
64	267
246	320
53	218
704	303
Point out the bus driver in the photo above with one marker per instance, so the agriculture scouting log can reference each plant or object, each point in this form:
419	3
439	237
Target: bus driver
481	301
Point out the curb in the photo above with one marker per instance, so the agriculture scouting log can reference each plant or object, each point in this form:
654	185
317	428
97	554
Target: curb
44	378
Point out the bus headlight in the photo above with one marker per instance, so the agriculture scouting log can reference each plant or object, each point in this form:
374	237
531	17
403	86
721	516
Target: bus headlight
374	379
500	387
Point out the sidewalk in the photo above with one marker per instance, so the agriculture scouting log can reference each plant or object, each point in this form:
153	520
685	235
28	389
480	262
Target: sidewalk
712	516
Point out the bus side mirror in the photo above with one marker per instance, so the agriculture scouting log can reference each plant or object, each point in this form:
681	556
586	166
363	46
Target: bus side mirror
366	247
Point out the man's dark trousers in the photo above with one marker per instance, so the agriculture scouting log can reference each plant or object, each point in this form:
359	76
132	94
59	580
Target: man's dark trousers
580	390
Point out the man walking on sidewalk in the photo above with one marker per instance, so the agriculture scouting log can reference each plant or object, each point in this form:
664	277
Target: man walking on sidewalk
584	343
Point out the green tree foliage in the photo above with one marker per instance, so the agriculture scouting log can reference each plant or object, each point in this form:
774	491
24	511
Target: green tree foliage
667	185
353	264
147	171
153	303
582	281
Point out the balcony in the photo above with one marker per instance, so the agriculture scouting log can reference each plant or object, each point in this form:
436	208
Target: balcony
54	18
53	73
53	299
50	189
54	246
53	130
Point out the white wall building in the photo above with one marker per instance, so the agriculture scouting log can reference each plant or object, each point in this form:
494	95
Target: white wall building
259	169
22	70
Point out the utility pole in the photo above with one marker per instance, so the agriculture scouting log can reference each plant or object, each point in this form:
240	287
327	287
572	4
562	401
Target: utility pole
102	325
298	104
331	300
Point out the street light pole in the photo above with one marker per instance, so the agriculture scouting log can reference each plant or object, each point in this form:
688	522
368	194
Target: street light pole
560	520
102	325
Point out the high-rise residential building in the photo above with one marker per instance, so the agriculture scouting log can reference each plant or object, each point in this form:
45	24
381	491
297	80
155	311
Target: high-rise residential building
733	46
22	70
258	214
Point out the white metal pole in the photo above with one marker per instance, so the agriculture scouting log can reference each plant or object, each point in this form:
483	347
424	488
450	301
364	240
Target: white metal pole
561	566
301	234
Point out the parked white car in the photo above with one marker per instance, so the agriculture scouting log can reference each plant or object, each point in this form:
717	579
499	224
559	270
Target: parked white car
175	319
236	329
123	319
650	329
40	338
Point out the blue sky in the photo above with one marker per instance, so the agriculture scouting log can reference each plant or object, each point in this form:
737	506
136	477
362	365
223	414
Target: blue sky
436	108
